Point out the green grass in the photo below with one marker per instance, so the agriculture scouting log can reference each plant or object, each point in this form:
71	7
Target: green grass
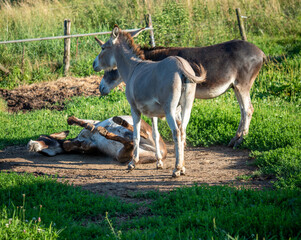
67	212
59	206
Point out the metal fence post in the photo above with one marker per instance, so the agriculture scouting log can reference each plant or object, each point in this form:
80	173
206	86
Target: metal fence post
67	42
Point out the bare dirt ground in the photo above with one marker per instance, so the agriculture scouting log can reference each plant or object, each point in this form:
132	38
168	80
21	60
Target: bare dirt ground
51	95
216	165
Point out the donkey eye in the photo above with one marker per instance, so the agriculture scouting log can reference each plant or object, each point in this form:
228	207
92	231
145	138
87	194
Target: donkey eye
102	48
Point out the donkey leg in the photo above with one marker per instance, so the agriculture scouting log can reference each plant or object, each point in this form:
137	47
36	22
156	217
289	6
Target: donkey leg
248	107
156	137
136	137
179	122
176	134
75	145
125	124
186	102
112	136
246	110
82	123
125	154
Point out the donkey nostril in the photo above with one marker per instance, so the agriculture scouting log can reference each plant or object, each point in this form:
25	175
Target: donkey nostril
93	64
103	91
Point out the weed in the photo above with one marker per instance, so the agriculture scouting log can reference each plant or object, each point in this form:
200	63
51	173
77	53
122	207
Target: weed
16	225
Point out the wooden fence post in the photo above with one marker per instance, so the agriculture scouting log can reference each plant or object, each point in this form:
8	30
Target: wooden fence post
67	41
148	20
241	25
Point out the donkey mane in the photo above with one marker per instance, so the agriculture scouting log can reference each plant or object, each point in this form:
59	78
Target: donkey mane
159	53
130	42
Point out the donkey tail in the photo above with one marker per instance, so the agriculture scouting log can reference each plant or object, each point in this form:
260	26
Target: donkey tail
191	77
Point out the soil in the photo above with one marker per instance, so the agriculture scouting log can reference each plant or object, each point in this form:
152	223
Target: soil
50	95
217	165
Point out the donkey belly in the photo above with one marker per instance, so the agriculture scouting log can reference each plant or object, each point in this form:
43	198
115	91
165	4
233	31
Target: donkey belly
206	90
151	108
109	147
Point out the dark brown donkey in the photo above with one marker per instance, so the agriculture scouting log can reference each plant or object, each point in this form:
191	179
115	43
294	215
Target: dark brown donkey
234	64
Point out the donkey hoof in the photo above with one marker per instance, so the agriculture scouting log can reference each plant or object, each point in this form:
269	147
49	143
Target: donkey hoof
235	141
232	142
160	165
131	166
183	171
176	173
238	142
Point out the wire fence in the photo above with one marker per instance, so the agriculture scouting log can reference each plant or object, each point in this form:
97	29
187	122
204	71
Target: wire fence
67	43
69	36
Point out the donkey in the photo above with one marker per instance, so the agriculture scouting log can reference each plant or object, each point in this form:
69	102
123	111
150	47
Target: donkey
155	89
113	137
233	64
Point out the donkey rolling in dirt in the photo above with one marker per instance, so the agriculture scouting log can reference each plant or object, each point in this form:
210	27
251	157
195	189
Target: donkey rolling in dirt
233	64
155	89
113	137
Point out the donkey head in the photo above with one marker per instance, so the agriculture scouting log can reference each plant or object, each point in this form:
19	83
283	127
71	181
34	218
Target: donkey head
106	61
48	145
110	80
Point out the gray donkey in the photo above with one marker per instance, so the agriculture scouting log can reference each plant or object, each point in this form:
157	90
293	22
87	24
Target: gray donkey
155	89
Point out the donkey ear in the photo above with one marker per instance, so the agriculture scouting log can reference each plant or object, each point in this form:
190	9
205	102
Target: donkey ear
99	41
115	32
136	33
60	135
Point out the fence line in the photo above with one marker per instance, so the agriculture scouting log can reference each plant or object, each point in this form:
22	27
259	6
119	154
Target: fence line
70	36
67	36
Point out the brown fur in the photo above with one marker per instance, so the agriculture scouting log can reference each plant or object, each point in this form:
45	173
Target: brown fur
133	46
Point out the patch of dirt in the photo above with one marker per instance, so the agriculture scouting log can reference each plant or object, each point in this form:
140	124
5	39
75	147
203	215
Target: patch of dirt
216	165
51	95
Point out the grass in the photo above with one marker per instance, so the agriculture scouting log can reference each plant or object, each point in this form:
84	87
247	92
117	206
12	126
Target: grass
64	207
186	213
200	212
17	227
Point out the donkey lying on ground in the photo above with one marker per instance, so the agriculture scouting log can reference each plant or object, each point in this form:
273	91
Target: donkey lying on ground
113	137
234	64
155	89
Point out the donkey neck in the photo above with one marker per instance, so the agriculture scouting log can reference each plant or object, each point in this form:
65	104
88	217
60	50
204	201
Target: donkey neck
126	61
